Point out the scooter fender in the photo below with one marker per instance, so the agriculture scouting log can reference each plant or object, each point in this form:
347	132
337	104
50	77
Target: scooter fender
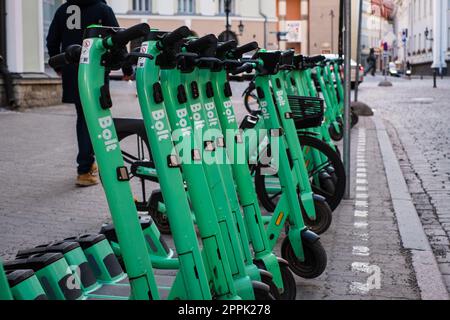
309	236
319	198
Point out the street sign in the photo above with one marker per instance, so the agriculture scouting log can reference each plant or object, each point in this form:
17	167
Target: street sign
293	29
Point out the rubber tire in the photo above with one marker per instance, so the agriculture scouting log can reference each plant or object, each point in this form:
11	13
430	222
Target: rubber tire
333	156
290	286
260	188
339	170
162	224
262	295
273	288
335	135
315	259
324	217
247	96
328	184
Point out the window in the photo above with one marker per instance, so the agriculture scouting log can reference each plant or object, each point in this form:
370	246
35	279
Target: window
448	38
49	10
142	5
222	6
186	6
419	47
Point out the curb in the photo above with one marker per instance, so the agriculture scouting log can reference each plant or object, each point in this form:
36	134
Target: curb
429	278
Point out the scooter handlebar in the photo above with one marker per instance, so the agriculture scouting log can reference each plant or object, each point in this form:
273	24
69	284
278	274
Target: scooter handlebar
70	56
224	47
121	38
240	51
247	67
175	36
314	59
202	43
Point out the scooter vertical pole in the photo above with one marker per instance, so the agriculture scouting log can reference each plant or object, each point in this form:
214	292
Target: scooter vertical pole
347	96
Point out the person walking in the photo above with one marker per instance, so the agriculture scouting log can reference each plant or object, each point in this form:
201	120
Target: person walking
372	63
66	29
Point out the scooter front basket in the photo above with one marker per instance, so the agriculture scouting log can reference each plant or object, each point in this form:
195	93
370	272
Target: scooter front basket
308	112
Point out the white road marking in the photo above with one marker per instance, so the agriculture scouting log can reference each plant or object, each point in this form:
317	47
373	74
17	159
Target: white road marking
361	225
361	213
362	251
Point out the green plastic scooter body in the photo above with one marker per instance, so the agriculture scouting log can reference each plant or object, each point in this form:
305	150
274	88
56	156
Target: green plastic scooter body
217	168
288	207
5	292
242	176
190	155
111	167
187	116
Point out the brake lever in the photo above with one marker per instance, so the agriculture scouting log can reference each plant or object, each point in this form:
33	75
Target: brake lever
141	55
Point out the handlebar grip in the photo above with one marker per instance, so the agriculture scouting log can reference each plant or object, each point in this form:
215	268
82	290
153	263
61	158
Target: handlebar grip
248	67
203	43
58	61
315	59
232	63
70	56
175	36
224	47
209	60
121	38
238	52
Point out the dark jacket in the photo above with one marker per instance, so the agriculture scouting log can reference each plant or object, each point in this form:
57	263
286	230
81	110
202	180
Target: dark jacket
60	37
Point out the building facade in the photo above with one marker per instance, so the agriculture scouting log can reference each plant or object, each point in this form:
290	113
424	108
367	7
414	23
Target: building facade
422	39
293	18
251	20
24	25
323	27
23	49
377	28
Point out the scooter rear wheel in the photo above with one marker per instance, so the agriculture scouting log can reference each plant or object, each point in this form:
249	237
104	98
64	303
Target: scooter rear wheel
315	259
323	219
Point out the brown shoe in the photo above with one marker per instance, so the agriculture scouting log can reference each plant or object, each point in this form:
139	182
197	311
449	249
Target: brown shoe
94	170
86	180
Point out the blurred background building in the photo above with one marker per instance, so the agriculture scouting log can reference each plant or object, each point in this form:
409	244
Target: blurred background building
423	28
251	20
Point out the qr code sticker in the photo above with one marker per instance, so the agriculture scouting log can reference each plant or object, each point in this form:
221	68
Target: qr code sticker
86	51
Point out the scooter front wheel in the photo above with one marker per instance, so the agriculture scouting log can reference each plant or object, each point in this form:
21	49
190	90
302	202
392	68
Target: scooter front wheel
263	295
324	216
315	259
336	136
290	286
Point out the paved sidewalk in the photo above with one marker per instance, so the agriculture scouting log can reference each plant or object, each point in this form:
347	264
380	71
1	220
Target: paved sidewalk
39	203
416	118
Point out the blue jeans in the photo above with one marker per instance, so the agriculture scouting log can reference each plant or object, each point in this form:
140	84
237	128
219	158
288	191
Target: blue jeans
85	157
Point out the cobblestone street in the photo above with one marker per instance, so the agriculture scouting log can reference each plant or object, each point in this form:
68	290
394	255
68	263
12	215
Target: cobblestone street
417	119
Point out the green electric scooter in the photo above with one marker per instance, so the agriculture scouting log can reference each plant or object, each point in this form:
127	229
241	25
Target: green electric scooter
162	96
322	160
198	65
99	53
